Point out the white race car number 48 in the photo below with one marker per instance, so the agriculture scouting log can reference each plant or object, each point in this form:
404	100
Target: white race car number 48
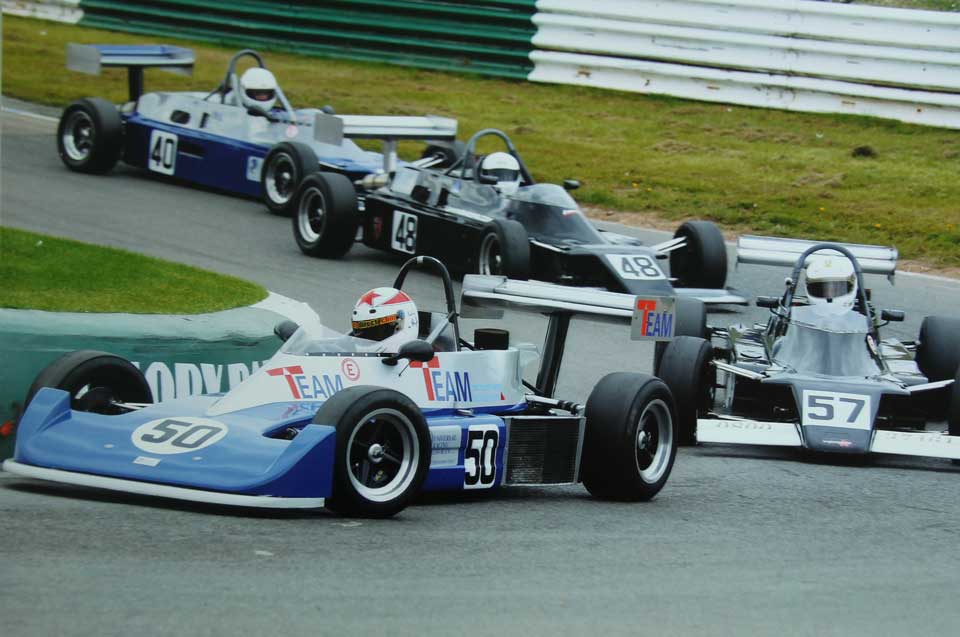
637	267
403	238
836	409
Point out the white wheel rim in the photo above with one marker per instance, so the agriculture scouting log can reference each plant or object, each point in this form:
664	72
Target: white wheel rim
491	261
398	456
653	441
311	215
281	178
78	136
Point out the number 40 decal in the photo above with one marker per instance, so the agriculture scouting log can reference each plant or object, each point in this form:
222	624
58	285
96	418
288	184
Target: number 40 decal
480	457
162	152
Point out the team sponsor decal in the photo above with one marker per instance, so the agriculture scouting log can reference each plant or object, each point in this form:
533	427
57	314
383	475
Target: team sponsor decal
162	152
350	369
254	168
445	385
836	409
179	380
308	386
480	457
292	131
177	435
445	441
654	318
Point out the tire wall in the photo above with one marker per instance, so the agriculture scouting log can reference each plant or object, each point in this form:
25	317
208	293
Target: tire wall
180	355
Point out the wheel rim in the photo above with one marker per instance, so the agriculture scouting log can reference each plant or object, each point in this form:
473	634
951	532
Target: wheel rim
281	178
491	260
383	454
654	441
78	136
311	215
96	398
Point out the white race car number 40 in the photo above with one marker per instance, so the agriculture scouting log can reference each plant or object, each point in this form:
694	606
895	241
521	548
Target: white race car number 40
162	152
836	409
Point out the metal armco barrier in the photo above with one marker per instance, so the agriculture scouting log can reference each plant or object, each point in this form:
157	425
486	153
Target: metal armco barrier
179	355
490	37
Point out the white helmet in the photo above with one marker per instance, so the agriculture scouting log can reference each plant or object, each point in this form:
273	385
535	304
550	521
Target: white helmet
385	313
258	88
505	168
831	283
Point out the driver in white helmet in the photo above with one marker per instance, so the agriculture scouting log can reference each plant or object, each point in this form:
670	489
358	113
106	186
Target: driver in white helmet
831	284
258	89
386	315
505	168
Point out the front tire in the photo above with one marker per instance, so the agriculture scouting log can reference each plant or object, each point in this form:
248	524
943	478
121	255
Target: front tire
382	452
90	136
284	168
325	215
629	445
703	262
504	249
686	370
95	381
953	409
938	355
691	321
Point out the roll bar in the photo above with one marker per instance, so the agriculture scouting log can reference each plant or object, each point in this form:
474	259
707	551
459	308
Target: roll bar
431	263
469	156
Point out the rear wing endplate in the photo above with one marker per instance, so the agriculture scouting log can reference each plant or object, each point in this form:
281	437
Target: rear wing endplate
785	252
332	129
92	58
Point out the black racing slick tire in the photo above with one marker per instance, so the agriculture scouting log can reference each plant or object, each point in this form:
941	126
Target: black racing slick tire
283	169
382	453
325	215
90	136
447	152
703	262
95	381
953	409
686	370
629	445
938	352
504	249
691	321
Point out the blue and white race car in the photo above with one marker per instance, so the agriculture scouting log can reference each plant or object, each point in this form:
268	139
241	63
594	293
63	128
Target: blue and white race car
242	137
339	421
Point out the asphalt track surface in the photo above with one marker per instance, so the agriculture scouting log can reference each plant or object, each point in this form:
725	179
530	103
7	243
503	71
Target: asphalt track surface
740	541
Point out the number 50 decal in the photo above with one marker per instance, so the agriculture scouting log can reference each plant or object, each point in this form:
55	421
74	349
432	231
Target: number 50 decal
835	409
162	153
177	435
480	458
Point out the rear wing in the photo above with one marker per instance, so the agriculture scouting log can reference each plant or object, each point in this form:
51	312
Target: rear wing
785	252
486	297
92	58
332	129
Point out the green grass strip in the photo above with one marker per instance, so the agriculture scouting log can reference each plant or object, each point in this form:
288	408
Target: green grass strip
48	273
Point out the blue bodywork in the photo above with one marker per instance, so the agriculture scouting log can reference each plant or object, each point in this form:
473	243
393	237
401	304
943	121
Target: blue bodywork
246	461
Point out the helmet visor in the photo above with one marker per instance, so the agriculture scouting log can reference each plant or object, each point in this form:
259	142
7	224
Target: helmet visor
375	329
261	94
503	174
829	289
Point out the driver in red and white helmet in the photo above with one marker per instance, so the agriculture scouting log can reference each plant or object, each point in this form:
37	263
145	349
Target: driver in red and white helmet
387	315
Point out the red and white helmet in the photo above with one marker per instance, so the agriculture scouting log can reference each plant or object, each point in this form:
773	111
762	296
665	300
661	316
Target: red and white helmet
383	313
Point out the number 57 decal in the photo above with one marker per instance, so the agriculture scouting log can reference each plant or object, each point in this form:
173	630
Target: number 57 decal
835	409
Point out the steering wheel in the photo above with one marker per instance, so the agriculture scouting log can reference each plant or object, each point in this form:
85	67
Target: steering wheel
471	161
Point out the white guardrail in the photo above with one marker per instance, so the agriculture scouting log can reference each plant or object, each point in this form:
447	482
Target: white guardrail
790	54
56	10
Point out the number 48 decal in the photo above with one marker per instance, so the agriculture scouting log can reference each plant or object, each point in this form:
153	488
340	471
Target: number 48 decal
480	457
636	267
836	409
162	153
404	236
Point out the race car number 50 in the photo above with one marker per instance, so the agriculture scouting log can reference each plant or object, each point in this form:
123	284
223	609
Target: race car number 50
480	457
162	153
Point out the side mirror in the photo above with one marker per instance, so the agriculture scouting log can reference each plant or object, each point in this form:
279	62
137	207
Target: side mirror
416	350
571	184
769	302
892	315
489	180
285	329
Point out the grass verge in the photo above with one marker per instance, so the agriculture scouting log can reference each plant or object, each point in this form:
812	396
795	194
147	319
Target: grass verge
824	177
41	272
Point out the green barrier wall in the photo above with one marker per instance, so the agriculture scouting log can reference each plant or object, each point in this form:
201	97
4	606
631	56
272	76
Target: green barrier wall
180	355
492	37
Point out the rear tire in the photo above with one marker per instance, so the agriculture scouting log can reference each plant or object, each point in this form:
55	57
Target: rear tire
686	370
629	445
953	410
90	136
94	380
938	353
382	452
504	249
691	321
284	168
325	215
703	262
